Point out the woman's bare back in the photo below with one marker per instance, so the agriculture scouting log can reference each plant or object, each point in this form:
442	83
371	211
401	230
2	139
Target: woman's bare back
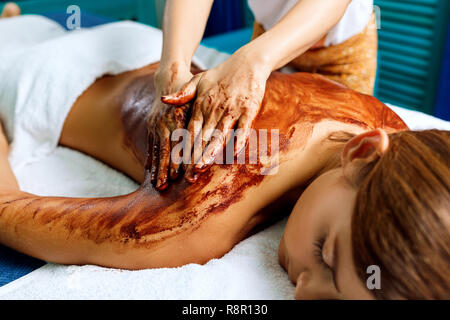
187	222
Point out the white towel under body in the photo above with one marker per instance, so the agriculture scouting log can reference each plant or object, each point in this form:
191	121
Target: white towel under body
43	69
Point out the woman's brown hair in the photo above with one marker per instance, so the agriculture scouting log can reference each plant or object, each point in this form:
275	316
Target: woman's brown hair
401	220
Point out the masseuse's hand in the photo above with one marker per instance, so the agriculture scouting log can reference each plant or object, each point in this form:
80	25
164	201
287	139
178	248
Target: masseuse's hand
227	96
163	120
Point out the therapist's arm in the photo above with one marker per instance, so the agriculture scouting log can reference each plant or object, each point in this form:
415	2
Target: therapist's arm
302	27
231	94
183	27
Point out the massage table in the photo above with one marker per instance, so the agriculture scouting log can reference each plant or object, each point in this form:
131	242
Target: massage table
249	271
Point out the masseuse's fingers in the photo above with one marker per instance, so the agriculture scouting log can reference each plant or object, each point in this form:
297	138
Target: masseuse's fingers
180	115
244	126
185	94
194	146
175	160
155	158
181	99
164	159
243	130
210	125
217	143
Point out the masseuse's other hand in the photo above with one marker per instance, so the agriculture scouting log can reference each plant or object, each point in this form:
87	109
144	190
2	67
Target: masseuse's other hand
227	96
163	120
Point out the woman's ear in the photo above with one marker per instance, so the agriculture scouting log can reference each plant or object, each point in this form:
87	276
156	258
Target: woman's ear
361	151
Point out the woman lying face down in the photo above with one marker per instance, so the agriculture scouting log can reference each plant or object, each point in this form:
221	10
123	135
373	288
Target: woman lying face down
380	221
193	223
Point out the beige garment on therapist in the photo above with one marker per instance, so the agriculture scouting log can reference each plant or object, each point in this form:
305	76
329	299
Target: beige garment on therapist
355	19
352	63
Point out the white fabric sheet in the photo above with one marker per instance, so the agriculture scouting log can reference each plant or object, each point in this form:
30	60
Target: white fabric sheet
248	271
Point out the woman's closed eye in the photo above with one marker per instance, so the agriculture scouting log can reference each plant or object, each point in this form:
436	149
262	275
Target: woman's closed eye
318	253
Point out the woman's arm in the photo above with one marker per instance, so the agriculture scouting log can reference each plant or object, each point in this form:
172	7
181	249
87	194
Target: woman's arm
230	95
112	232
183	26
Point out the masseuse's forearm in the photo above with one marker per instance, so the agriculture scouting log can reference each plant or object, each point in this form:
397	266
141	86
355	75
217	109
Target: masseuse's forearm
183	26
303	26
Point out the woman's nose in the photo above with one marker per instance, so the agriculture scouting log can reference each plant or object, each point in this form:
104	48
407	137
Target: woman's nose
312	288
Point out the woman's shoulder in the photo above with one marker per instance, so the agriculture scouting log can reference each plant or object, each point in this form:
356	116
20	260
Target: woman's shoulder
312	98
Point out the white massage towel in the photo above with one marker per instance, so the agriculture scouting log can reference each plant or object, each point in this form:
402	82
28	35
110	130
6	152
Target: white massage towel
249	271
54	67
52	73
